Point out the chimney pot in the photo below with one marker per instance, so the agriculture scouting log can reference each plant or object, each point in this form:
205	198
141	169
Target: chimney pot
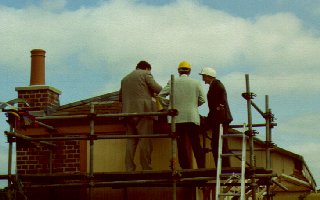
37	76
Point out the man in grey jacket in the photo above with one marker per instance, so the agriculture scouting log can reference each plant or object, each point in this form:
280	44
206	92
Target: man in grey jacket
188	96
136	94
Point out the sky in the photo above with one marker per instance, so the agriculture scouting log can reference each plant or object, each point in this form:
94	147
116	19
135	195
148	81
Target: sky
91	45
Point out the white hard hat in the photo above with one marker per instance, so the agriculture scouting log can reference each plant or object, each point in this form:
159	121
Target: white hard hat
208	71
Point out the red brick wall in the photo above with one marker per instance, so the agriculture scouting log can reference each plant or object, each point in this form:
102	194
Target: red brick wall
39	99
66	156
35	159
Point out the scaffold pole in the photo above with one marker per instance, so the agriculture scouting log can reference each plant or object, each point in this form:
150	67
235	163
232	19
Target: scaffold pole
251	139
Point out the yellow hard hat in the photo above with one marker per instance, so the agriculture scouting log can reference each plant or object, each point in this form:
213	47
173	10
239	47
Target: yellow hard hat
184	64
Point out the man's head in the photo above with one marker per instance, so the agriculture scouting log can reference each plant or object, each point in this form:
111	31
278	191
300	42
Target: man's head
184	68
208	74
143	65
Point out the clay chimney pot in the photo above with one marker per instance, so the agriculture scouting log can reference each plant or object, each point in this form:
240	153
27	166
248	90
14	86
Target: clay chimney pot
37	75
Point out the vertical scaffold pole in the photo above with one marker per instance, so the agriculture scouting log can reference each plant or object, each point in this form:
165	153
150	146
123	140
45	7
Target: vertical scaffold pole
251	140
50	155
174	143
10	157
268	135
268	141
219	167
91	148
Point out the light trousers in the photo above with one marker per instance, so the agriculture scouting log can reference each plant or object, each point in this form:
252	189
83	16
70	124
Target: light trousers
139	126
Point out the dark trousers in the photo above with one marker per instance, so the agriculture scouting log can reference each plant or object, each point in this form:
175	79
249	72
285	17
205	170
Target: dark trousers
215	144
189	133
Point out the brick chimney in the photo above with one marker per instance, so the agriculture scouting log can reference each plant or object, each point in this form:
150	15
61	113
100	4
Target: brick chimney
39	96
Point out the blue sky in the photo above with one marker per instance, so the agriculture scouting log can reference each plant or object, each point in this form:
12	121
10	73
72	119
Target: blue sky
91	45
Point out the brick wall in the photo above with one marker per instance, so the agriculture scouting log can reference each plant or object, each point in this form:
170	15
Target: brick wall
35	159
39	98
66	156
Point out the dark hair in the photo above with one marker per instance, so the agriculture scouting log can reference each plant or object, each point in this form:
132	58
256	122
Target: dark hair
184	71
143	65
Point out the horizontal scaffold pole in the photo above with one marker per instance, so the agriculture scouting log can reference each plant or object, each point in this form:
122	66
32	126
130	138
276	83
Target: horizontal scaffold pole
155	182
104	115
92	137
30	139
253	125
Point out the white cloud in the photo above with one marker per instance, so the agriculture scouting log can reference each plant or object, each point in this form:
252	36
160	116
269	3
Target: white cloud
283	85
306	125
279	42
119	33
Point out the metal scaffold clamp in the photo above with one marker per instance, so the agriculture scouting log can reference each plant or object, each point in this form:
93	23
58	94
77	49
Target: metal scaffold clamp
173	135
176	175
92	116
248	95
269	144
10	138
173	112
92	138
269	115
251	132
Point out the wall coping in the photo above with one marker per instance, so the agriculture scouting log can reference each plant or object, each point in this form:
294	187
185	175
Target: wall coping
38	87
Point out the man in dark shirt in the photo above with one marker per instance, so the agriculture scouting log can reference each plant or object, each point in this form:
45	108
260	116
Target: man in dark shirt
219	112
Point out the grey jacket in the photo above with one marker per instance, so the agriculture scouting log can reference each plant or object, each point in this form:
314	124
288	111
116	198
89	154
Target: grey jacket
188	96
137	90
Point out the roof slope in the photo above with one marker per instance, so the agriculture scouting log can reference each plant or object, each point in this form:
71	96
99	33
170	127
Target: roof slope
103	104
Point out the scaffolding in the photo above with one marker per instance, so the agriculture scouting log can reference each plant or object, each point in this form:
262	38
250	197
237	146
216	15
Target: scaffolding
204	178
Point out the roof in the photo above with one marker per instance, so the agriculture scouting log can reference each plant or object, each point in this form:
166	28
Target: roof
103	104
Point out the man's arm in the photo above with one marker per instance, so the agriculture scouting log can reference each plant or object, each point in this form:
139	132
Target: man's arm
152	84
164	93
120	95
201	98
